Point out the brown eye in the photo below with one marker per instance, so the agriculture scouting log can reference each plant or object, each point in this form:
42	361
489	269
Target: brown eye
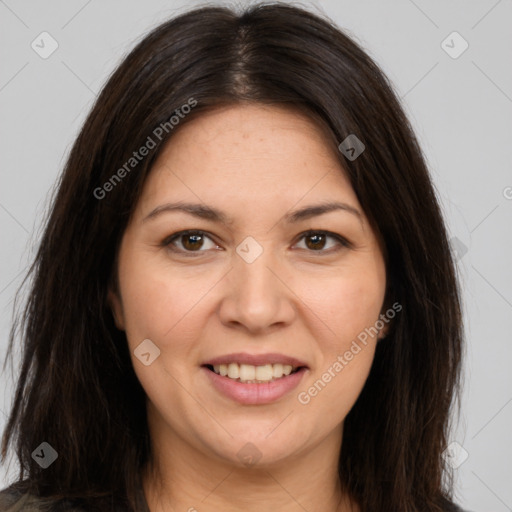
192	242
189	242
315	241
323	242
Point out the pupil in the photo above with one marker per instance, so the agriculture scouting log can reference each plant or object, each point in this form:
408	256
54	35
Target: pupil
320	239
195	238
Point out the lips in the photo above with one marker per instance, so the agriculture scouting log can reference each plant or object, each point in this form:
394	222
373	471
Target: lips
249	378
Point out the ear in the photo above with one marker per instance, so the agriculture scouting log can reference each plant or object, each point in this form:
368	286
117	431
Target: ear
384	331
116	306
387	321
387	306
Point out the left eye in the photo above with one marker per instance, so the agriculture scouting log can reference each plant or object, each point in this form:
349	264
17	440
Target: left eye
190	241
316	240
194	241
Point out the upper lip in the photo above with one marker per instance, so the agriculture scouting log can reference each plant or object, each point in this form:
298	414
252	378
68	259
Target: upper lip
255	359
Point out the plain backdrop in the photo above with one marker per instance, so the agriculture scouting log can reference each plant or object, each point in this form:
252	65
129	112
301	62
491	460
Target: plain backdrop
456	89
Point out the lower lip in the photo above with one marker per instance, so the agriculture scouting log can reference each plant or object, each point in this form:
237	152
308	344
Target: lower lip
255	394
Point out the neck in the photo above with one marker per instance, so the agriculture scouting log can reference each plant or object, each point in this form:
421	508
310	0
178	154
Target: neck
182	477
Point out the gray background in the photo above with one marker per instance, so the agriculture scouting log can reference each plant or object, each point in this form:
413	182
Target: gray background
461	110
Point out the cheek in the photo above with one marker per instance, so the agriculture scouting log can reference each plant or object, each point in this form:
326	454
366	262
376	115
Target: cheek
349	303
345	311
162	303
345	304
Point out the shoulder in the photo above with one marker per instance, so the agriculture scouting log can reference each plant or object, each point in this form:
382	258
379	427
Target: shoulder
14	498
17	498
20	497
456	508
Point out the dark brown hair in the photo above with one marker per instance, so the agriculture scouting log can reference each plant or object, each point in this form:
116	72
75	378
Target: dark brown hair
77	389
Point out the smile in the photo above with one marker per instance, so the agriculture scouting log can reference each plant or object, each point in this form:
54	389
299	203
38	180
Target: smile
250	374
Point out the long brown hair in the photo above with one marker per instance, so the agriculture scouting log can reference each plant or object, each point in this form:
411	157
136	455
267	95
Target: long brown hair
77	389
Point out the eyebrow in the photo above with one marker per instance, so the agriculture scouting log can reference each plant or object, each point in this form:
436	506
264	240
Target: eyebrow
213	214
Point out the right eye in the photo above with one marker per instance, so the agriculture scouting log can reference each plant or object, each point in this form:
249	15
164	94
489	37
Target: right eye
189	241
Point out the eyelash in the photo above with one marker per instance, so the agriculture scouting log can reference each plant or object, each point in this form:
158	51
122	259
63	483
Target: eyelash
168	242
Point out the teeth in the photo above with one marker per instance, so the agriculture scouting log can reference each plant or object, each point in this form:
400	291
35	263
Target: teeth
278	371
233	371
253	374
247	372
265	373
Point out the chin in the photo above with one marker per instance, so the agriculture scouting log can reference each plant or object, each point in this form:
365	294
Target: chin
258	451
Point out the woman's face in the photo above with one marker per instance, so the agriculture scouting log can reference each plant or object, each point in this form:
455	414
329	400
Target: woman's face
252	289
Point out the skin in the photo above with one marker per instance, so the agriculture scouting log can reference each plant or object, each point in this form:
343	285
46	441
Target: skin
299	298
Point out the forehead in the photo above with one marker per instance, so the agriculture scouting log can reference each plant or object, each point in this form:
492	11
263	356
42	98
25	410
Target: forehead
248	157
251	131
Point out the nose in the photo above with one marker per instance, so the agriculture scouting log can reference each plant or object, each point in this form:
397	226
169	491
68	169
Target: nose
256	296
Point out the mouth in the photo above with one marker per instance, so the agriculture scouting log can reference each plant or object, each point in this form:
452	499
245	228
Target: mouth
254	379
251	374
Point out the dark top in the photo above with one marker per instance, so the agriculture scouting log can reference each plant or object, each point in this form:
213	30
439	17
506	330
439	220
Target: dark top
12	499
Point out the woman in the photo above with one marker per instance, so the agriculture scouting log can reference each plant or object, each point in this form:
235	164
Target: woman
244	297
